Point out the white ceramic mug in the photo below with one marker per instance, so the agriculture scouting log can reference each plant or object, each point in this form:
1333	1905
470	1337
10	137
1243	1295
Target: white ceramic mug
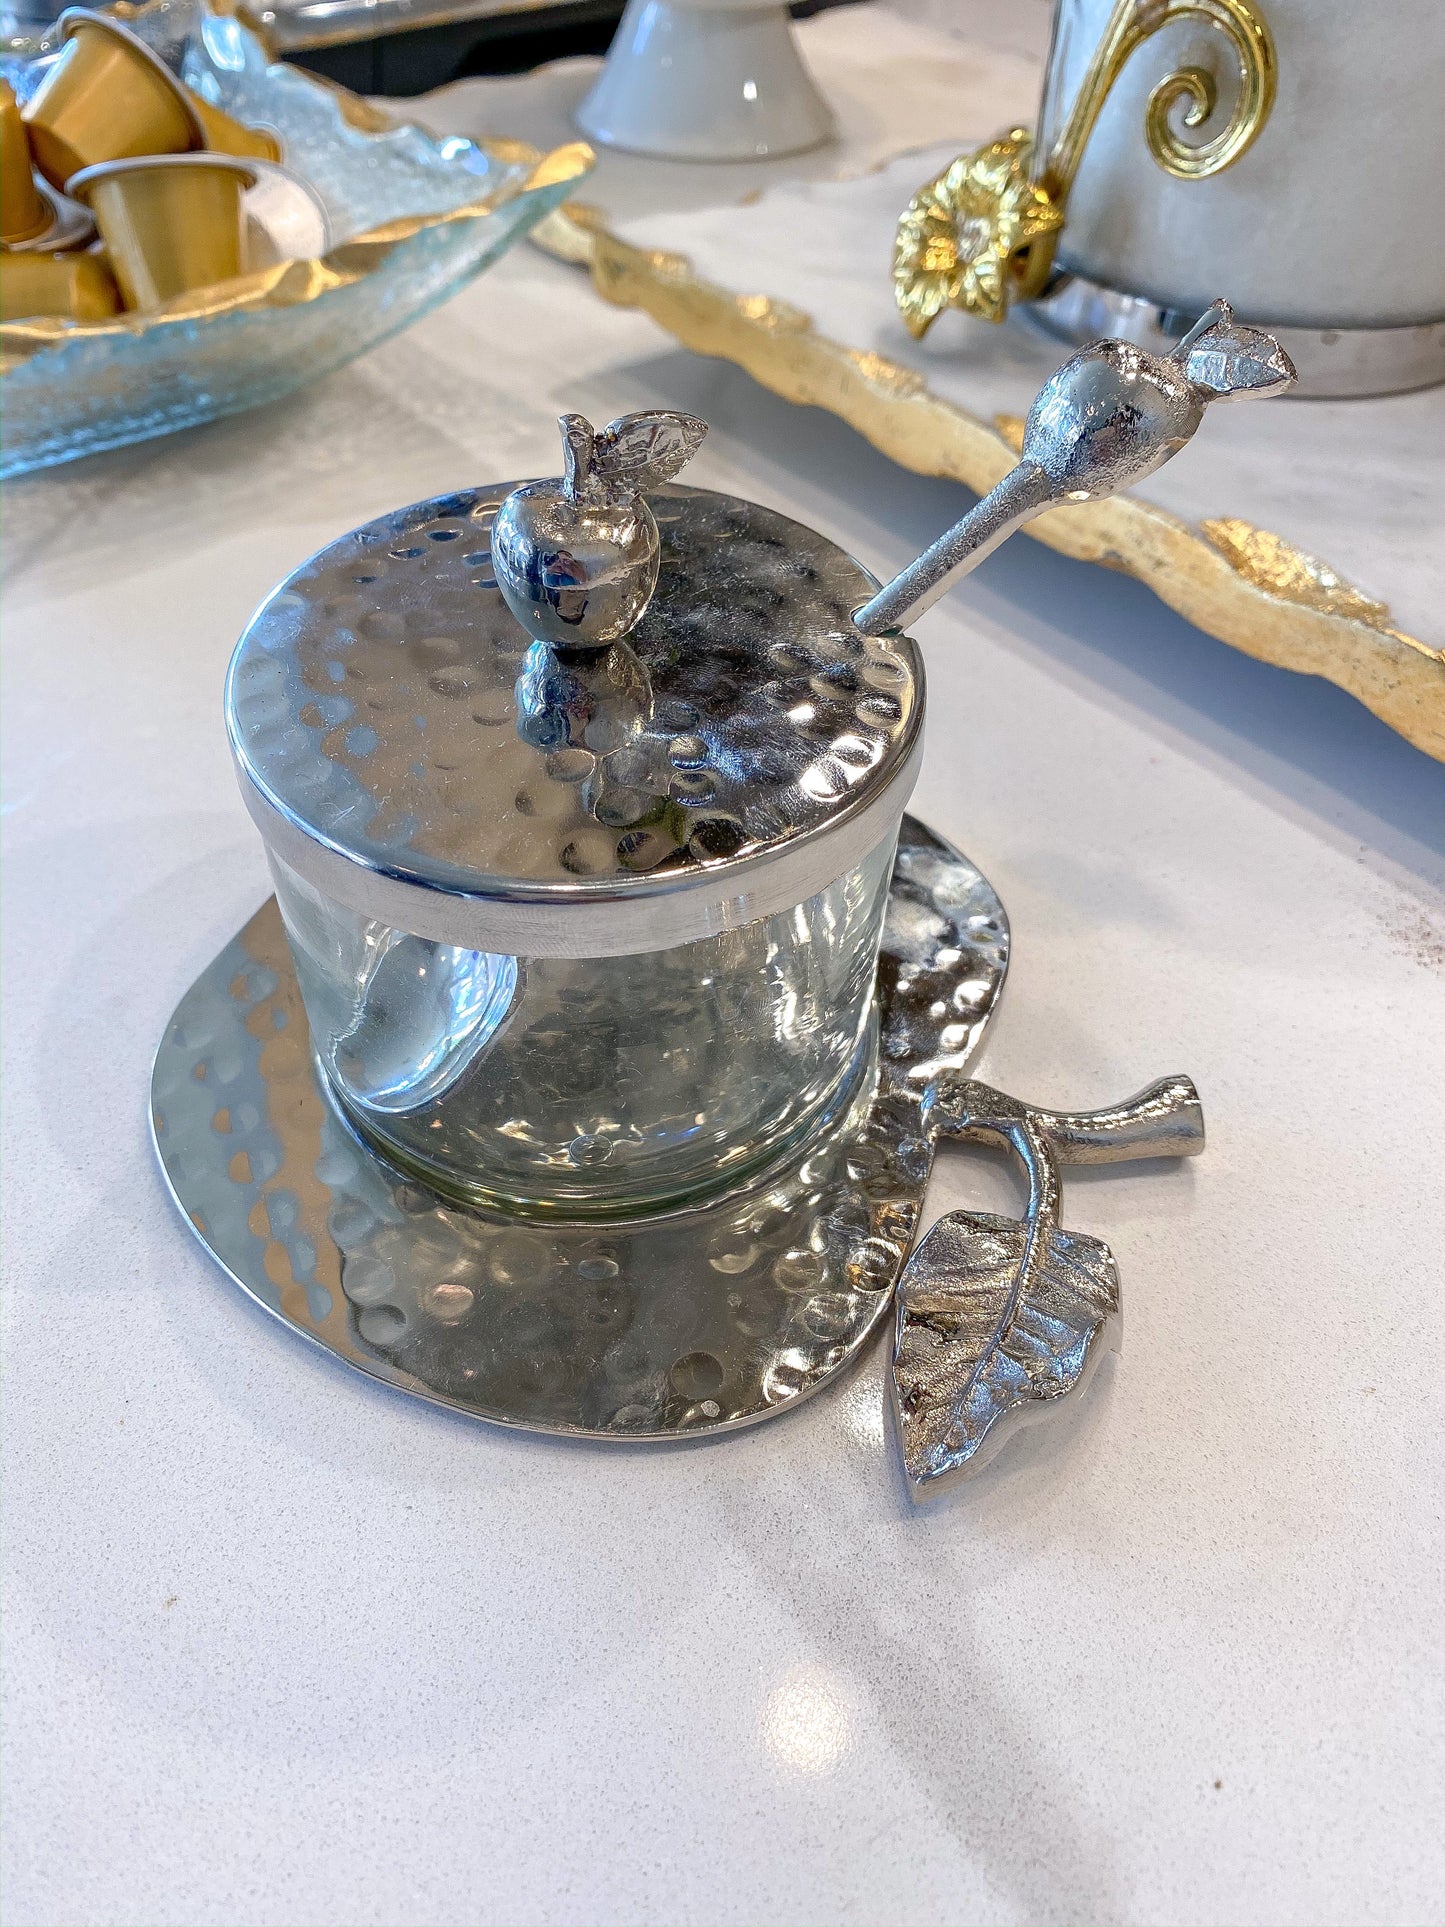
705	80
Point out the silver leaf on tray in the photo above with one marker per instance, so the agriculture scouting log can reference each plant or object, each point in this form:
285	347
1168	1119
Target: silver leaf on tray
998	1317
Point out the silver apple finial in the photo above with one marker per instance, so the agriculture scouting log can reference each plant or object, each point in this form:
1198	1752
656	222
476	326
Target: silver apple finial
1107	419
576	558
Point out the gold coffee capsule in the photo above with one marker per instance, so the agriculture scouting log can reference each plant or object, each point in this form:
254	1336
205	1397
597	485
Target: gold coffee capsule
225	135
23	212
78	285
107	97
170	223
68	224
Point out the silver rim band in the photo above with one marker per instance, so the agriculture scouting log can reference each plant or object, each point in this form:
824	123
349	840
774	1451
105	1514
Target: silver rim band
1331	362
623	924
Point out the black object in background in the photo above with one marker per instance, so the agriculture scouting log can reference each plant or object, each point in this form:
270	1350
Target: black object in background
420	58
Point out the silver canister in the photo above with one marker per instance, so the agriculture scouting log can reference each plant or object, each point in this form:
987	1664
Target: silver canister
1326	227
580	930
581	797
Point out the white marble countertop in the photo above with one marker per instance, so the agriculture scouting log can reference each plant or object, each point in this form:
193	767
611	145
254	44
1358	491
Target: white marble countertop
283	1646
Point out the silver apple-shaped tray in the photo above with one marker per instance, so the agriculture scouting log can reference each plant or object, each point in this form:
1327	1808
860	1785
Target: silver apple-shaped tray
704	1320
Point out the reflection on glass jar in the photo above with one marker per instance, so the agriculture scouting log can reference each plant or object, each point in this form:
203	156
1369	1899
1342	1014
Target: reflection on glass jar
609	1084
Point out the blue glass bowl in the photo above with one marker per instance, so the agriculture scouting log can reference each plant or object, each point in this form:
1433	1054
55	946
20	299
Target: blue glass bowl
412	218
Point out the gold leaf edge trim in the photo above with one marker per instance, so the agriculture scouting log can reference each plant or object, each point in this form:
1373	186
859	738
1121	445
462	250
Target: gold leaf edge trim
1284	615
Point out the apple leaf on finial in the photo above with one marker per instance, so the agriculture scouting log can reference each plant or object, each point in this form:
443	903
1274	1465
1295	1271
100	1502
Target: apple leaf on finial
630	454
1222	358
642	450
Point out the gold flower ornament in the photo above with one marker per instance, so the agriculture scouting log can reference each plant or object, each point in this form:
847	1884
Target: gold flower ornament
975	236
982	235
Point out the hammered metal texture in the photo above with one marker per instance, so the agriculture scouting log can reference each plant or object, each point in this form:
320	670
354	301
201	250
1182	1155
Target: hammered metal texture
687	1324
375	700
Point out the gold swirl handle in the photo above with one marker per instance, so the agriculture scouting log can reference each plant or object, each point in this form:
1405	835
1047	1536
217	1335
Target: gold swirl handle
982	234
1129	25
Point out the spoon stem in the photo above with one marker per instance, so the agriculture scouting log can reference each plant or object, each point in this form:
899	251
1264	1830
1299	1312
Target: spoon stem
1023	493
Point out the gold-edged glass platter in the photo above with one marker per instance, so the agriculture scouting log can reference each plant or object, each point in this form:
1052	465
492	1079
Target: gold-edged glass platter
412	219
1306	534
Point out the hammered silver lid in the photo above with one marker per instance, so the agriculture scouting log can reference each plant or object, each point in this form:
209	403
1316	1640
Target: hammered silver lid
405	746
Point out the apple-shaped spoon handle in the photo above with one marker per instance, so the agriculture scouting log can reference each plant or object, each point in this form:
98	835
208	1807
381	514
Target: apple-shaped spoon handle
1110	416
576	557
